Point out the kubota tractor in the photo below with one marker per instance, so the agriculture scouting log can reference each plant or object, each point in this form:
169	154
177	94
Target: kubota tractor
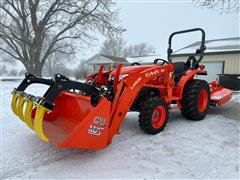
87	115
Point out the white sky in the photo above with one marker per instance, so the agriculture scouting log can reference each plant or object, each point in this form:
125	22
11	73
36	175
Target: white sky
153	21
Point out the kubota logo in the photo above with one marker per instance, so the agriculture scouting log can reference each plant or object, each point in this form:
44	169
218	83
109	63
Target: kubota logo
152	73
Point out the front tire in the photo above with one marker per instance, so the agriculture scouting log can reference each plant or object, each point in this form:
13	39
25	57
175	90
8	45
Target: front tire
153	115
143	94
195	100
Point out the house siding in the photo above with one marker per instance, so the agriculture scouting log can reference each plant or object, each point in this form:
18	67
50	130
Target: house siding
231	61
96	61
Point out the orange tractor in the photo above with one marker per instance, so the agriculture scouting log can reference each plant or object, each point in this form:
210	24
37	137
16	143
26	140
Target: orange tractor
87	115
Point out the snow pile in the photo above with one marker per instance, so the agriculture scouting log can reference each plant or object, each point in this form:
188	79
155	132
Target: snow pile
185	149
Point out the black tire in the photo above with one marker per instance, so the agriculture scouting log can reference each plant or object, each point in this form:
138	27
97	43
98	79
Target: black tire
190	108
148	107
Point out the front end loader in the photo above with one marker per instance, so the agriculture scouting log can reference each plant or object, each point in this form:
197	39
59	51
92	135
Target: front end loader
87	115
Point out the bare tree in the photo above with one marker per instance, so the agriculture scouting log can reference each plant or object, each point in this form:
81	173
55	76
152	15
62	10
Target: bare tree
117	46
63	70
13	72
22	72
54	61
142	49
25	26
113	46
81	71
223	6
3	70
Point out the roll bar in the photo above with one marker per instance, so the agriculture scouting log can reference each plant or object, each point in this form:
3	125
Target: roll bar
199	51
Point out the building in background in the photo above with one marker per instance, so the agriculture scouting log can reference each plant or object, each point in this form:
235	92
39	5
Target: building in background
111	62
222	56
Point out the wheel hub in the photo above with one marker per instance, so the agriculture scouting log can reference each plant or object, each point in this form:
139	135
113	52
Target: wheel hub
158	117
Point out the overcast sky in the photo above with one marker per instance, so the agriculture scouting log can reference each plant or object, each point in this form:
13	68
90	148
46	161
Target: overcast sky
153	21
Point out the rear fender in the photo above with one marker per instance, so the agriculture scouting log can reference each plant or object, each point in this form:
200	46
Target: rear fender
184	79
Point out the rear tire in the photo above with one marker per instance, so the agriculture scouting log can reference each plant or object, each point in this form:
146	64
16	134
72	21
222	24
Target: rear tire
195	100
153	115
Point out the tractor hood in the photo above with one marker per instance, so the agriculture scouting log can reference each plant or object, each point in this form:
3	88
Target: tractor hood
131	69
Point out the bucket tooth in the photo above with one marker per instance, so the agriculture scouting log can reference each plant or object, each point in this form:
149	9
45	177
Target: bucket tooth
20	107
38	122
28	113
14	102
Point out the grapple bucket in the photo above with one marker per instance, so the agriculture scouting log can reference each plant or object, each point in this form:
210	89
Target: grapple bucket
64	118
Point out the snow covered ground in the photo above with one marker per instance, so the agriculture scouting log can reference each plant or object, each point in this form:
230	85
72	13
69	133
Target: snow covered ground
186	149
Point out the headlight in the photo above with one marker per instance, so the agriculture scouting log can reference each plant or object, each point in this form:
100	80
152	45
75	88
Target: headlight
111	77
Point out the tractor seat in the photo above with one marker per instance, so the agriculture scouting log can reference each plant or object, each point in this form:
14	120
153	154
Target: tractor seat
179	69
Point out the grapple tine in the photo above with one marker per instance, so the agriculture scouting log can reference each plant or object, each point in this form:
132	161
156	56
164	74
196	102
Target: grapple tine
20	107
14	102
38	122
28	113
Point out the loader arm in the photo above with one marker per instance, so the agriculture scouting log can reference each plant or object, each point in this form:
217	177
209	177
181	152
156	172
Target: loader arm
128	90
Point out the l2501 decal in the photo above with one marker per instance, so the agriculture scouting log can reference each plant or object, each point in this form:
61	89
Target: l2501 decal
97	127
135	83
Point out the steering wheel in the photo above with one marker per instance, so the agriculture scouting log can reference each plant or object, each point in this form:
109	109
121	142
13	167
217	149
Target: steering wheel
135	63
163	61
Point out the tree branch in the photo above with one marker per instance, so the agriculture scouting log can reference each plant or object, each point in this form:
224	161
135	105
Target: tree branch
8	52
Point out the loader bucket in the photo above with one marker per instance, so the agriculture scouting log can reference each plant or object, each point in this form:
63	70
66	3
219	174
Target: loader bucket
70	120
74	122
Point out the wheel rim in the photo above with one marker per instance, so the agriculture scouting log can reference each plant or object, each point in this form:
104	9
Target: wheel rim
202	100
158	117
